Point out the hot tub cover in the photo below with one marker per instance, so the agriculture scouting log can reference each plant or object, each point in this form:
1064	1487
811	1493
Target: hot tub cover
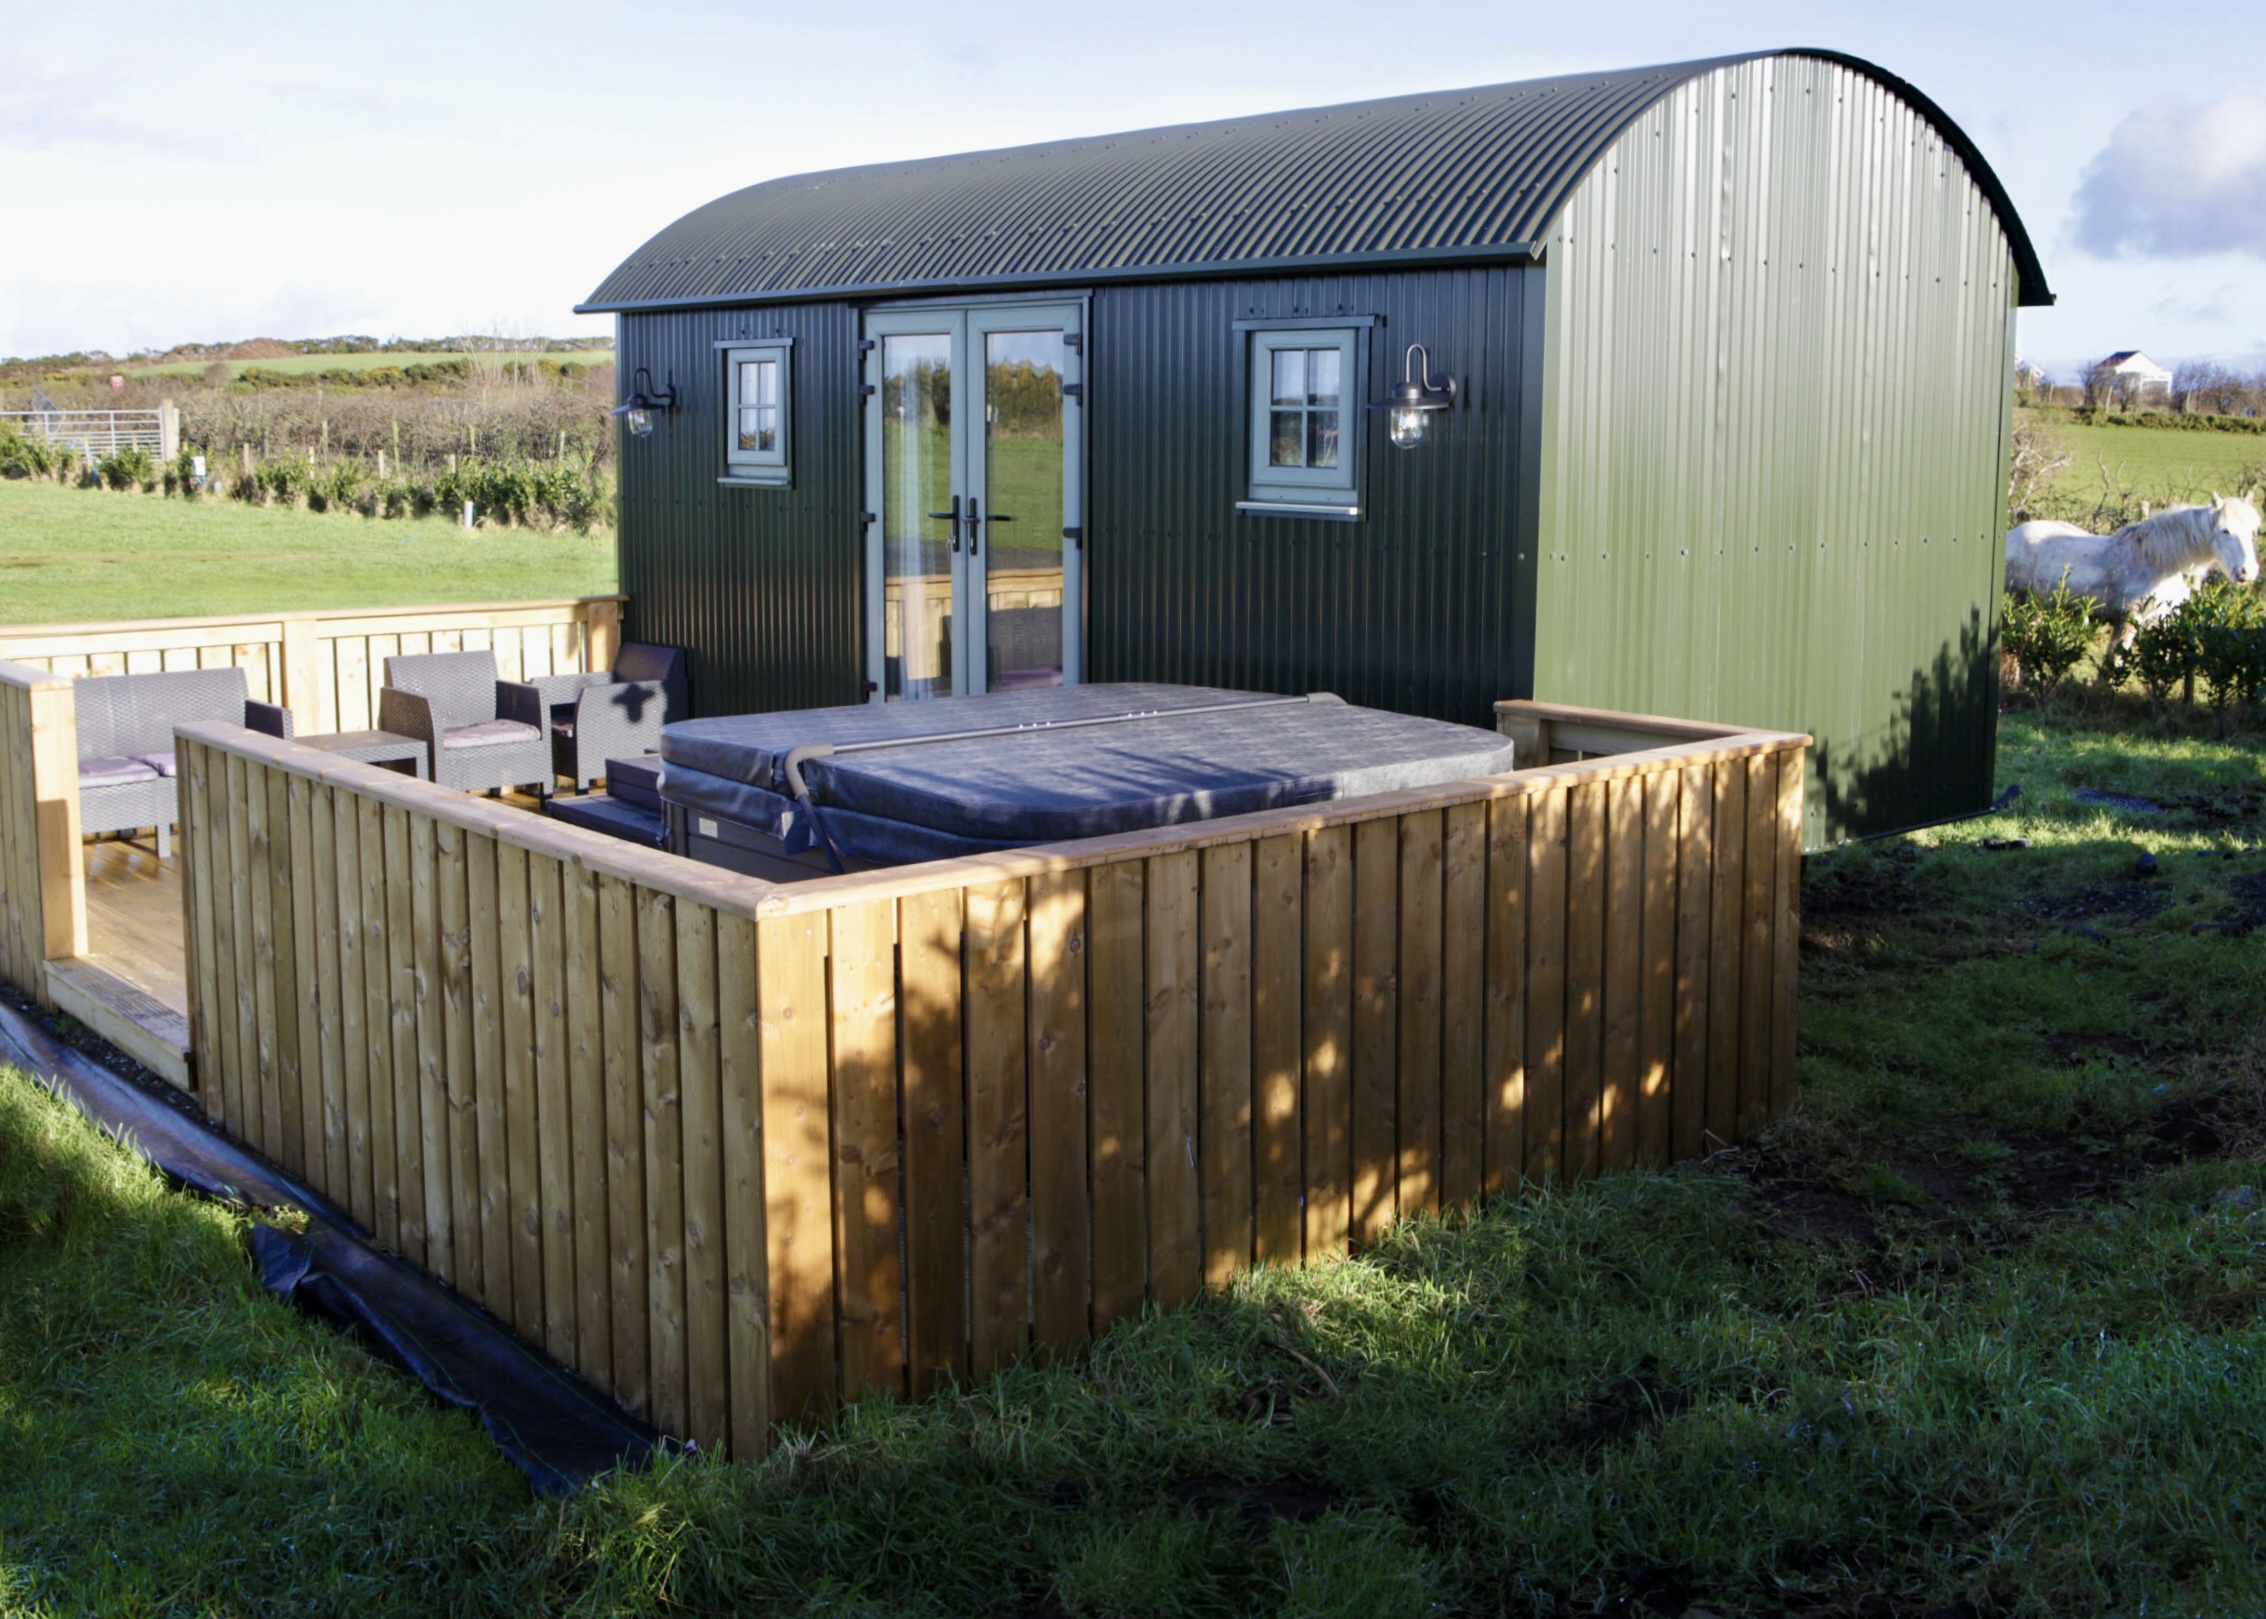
1044	784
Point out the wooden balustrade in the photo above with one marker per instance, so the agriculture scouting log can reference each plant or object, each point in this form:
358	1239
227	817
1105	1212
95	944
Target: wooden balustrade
43	910
736	1150
326	666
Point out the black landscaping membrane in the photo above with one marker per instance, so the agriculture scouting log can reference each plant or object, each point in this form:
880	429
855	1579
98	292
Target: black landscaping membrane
553	1427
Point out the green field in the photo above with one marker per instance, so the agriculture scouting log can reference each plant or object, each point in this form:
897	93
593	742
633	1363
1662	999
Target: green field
68	555
1979	1329
308	364
2157	465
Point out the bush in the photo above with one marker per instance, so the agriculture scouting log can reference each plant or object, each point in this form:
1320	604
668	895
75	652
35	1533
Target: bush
130	468
27	455
2227	630
2046	636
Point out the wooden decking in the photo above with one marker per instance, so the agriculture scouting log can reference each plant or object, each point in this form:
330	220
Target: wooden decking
131	986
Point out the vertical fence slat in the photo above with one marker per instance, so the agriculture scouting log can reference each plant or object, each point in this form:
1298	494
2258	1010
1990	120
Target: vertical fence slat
1463	1011
707	1391
353	1005
1759	966
488	1068
998	1124
1328	1099
740	1123
790	957
1726	941
1507	868
243	1043
625	1137
1061	1286
1224	1060
1546	985
1623	986
554	1136
664	1156
1175	1208
1585	976
1695	894
1787	934
866	1161
1422	873
434	1145
1116	1061
1656	1025
1277	979
19	810
331	934
1376	1089
377	1023
936	1229
402	998
459	1088
586	1126
522	1185
263	1113
307	978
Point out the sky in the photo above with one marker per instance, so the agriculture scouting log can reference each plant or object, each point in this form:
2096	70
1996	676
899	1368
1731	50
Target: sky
289	170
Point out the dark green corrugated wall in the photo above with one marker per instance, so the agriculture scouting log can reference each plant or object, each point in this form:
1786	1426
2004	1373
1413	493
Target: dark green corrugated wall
762	585
1777	379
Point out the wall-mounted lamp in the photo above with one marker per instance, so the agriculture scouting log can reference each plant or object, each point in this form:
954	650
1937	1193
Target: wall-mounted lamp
644	399
1413	402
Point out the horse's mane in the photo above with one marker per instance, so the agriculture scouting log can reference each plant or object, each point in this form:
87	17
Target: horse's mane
2178	537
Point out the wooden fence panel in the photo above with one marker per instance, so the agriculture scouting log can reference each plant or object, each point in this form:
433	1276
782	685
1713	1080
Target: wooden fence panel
737	1151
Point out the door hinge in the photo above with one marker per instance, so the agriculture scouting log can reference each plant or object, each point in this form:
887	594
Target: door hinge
866	347
1074	390
871	687
868	391
1075	342
1075	535
867	519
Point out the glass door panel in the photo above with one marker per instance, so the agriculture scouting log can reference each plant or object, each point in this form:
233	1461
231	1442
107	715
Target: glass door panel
1020	558
920	527
972	457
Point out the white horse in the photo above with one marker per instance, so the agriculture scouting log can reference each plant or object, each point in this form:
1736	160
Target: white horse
2140	574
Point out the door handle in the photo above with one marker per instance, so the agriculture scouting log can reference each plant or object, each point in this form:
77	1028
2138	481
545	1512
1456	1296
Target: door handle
975	523
953	517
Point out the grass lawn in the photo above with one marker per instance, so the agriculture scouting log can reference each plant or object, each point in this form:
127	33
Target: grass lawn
1983	1321
68	555
2160	465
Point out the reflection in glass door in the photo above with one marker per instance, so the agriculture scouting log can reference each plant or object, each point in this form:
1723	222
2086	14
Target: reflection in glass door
973	565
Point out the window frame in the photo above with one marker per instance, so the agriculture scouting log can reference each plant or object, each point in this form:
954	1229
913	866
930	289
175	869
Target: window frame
764	468
1305	491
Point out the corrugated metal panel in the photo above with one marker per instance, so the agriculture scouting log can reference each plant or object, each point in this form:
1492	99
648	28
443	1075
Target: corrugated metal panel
762	585
1413	608
1774	471
1474	173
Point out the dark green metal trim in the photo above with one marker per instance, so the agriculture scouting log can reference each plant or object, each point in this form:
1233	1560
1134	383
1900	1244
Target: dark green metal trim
1305	323
1491	253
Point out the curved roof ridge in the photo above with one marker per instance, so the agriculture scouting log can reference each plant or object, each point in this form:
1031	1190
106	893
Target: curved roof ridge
1444	175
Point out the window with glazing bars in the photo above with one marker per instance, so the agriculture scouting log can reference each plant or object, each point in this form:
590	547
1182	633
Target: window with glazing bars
1305	416
758	411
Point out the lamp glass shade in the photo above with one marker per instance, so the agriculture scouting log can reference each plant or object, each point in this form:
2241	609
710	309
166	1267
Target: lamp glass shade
1407	426
638	421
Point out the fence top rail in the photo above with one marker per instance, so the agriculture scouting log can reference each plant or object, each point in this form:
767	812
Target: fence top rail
317	615
753	898
26	678
1609	719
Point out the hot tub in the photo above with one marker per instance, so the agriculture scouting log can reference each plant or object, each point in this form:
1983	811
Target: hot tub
792	795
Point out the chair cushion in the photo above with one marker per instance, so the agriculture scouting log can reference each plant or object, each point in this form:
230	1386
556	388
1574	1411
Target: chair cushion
562	719
162	763
489	734
112	770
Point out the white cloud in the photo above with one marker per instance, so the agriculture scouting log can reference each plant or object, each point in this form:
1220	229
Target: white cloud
2179	179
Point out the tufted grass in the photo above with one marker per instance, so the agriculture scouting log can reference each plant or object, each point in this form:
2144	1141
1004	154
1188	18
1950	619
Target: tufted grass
1980	1323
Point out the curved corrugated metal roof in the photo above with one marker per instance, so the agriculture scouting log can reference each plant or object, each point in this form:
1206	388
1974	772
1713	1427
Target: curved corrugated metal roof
1461	174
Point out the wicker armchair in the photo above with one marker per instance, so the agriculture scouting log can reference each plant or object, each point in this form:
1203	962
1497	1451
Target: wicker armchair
616	713
126	770
480	733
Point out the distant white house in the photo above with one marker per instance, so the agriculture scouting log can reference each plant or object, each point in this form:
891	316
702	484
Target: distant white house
2138	377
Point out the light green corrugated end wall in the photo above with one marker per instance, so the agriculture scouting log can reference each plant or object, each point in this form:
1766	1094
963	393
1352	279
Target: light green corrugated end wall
1774	484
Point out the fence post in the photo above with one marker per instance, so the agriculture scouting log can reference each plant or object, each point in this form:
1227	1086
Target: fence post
602	634
55	791
302	677
168	430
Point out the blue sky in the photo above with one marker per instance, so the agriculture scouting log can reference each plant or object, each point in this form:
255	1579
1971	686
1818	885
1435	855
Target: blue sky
242	169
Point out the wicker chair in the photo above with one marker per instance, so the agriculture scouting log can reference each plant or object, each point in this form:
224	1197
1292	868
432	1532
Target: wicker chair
616	713
480	733
126	771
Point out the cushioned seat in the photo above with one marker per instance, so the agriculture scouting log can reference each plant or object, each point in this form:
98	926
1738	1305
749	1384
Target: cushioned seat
489	734
613	713
113	770
162	763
